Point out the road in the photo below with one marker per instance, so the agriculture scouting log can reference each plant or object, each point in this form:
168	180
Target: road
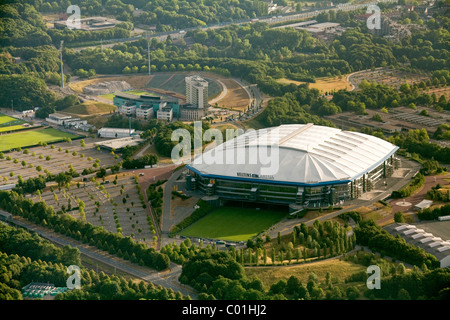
166	224
177	34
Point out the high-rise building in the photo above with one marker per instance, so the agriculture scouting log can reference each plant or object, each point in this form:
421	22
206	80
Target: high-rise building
197	91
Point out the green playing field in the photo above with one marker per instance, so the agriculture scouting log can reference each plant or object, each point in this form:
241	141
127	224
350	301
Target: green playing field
233	224
32	137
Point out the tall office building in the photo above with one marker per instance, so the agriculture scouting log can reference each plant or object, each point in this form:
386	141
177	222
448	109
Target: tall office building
197	91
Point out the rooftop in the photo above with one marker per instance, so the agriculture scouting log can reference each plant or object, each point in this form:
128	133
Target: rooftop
116	130
120	143
59	116
307	154
438	247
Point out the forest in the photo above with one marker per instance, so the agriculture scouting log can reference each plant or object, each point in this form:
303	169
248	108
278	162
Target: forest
26	258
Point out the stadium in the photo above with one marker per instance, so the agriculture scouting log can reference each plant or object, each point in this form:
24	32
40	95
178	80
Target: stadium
318	166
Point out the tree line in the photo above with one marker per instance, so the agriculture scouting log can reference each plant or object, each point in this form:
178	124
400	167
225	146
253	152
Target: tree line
368	233
40	213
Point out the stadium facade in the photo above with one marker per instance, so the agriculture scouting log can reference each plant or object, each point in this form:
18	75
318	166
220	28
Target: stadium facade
317	166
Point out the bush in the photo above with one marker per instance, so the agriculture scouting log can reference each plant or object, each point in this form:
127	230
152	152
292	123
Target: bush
417	183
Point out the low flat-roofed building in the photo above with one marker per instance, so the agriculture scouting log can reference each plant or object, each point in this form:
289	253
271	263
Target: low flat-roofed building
128	109
144	112
115	132
320	27
5	216
190	112
431	244
87	24
165	113
57	118
423	204
119	144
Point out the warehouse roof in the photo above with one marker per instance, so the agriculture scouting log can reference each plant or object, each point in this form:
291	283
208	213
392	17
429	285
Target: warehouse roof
438	247
308	154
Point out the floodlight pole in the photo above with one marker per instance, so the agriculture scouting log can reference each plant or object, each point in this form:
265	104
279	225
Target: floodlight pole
62	71
148	53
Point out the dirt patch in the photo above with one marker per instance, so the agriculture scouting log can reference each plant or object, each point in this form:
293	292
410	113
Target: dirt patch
137	82
325	84
236	97
106	87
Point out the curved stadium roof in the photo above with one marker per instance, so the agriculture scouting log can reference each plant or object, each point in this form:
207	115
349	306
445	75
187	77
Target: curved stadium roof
308	154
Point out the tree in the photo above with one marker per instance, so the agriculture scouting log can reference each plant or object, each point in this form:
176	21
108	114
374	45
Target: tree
63	179
352	293
398	217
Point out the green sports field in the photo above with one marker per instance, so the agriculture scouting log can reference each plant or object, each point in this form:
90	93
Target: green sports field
32	137
233	224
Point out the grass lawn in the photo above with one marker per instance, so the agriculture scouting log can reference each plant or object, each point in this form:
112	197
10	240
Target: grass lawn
233	224
6	121
11	128
91	108
32	137
338	269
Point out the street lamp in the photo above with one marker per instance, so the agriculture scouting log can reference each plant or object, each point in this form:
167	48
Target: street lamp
62	71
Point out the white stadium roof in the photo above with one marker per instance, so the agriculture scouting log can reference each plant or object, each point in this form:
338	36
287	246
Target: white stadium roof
308	154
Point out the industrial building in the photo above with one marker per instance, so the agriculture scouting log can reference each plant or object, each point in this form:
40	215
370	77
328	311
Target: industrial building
88	24
318	166
65	120
116	133
420	238
120	143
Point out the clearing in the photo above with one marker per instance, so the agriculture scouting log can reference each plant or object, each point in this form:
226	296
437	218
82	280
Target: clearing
324	84
338	269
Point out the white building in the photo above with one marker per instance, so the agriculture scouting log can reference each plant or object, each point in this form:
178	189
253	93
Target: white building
65	121
128	109
197	91
57	118
144	112
115	132
164	112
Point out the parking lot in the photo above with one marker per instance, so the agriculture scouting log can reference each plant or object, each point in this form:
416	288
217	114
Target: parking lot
53	159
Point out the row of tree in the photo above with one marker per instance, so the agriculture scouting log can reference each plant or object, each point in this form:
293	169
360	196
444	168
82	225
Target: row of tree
433	214
368	233
80	230
18	241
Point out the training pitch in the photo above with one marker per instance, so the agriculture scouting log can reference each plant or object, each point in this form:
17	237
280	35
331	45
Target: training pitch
32	137
233	224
